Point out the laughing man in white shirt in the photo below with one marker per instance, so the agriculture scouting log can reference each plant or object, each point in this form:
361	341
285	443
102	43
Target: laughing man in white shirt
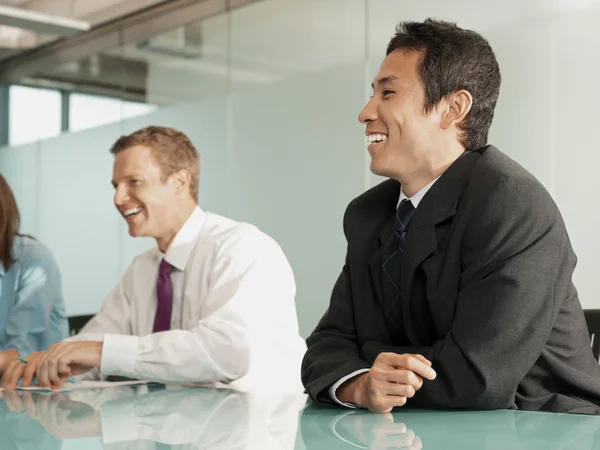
214	303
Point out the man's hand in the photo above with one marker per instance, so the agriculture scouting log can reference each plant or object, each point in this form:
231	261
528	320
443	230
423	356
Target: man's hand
67	359
391	381
17	370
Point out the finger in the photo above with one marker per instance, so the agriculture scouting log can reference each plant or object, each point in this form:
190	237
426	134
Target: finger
389	374
421	358
52	368
60	368
380	409
409	362
399	389
395	400
15	372
28	373
41	373
6	374
384	404
63	367
61	382
405	376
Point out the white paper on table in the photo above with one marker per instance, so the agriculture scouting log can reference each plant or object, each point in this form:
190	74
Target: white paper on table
84	384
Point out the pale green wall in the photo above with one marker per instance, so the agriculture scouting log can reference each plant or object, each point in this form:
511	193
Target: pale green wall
281	146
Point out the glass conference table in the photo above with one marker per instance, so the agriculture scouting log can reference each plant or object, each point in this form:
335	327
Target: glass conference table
171	417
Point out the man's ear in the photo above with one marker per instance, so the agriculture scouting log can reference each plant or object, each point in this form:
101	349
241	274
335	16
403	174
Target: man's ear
458	105
182	179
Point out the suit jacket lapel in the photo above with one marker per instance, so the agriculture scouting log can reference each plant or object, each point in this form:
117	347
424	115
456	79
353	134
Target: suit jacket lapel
438	205
388	214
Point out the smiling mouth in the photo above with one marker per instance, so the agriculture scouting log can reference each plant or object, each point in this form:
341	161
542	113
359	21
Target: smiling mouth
131	212
375	139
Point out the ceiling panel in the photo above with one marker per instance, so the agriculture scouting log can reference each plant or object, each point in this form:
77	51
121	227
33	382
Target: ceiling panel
96	11
13	2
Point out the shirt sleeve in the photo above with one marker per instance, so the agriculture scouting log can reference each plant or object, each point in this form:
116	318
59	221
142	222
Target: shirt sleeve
37	318
334	387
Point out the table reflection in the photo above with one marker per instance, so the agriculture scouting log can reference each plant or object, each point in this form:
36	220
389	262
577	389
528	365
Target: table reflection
19	432
322	427
173	417
153	417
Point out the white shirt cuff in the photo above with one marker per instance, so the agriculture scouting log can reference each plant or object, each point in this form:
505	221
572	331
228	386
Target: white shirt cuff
341	381
119	354
119	424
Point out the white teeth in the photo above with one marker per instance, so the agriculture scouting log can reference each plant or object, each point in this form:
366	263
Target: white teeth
129	212
376	138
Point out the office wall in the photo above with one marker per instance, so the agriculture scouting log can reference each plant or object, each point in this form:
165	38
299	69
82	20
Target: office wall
275	123
291	181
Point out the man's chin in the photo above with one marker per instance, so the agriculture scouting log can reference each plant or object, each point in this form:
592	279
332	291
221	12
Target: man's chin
135	231
376	169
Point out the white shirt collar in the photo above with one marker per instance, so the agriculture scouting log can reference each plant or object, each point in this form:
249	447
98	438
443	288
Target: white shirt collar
416	199
184	241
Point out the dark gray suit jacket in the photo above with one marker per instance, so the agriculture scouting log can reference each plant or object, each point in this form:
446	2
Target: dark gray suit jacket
487	295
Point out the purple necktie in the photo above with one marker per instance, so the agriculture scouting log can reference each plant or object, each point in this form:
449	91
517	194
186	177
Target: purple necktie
164	291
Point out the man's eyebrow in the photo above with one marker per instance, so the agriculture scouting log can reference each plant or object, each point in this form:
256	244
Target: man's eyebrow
383	81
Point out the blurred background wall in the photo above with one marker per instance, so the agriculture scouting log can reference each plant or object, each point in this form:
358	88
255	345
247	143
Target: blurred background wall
269	91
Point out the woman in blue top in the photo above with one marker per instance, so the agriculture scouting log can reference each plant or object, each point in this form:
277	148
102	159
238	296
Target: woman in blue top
32	308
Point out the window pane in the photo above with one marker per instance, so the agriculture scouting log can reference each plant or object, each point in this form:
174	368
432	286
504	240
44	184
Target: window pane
88	111
134	109
33	114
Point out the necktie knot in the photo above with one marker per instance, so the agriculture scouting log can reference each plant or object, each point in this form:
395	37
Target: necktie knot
164	269
404	214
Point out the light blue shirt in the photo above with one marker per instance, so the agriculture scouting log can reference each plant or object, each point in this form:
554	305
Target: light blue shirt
32	308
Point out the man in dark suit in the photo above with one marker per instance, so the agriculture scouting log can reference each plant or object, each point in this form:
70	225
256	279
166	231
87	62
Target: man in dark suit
456	291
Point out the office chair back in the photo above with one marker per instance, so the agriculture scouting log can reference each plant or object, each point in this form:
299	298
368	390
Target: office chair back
592	318
76	323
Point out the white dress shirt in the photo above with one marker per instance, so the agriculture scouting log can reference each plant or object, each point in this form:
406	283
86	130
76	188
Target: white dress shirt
415	200
234	316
